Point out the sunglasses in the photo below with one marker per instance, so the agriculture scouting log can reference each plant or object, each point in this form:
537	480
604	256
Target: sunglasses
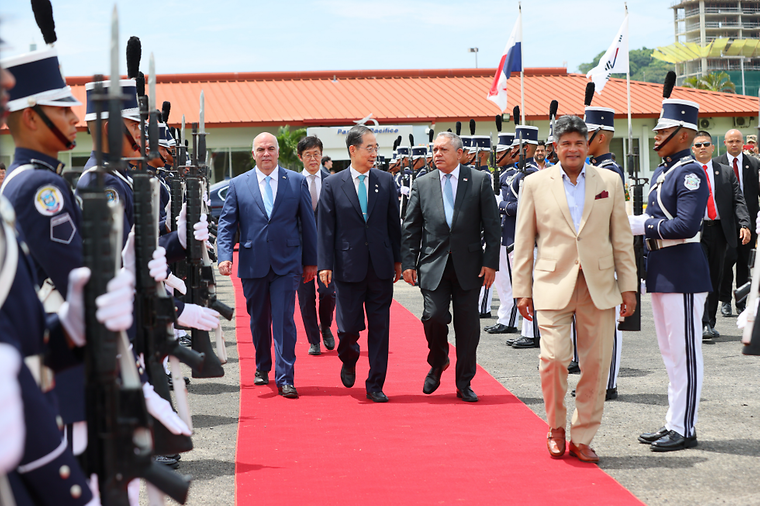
700	144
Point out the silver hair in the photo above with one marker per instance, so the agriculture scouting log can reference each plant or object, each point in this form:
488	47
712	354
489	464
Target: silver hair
569	124
456	141
276	144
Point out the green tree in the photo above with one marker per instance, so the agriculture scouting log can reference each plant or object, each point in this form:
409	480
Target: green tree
715	81
288	143
642	66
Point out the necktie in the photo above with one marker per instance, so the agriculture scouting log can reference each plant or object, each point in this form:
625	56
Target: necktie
736	170
711	213
448	199
313	192
363	196
268	196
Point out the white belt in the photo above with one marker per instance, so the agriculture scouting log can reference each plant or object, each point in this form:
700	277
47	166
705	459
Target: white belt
655	244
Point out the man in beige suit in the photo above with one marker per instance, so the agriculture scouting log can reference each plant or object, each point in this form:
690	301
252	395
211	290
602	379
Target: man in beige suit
575	215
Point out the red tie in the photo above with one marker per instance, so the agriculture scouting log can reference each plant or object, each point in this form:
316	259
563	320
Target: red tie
711	213
736	170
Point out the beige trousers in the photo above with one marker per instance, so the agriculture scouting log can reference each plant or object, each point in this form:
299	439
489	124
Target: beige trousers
595	331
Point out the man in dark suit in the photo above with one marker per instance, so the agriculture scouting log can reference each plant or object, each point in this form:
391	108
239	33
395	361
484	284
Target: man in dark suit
725	214
359	246
745	169
448	209
270	205
309	151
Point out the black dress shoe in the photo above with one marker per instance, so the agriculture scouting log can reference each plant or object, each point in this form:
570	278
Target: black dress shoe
651	437
673	441
510	342
525	342
288	391
328	339
485	315
611	394
262	378
490	327
715	332
433	378
707	332
348	376
169	462
467	395
573	368
314	349
377	397
725	309
501	329
739	308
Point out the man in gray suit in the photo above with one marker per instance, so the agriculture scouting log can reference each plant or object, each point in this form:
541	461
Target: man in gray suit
448	209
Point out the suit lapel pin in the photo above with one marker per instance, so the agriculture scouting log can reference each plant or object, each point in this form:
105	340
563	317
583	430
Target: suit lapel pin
464	179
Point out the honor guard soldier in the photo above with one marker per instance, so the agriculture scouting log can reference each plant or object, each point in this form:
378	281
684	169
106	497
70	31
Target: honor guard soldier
467	156
510	192
678	276
419	154
600	122
429	158
480	151
164	159
507	314
404	173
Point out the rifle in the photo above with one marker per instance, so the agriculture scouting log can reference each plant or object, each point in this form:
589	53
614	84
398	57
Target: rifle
496	172
154	308
521	160
431	132
119	429
633	323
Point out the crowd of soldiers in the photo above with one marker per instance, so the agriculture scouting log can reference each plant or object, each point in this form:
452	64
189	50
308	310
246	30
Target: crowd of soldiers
89	352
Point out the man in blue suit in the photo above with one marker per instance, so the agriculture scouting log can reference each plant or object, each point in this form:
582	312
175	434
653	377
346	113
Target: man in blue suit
271	207
310	152
360	241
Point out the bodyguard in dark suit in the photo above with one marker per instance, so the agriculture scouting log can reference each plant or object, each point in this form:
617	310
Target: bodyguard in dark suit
448	209
745	169
359	246
310	152
725	214
270	205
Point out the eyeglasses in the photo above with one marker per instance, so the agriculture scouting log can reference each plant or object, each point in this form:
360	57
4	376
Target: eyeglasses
700	144
310	156
371	149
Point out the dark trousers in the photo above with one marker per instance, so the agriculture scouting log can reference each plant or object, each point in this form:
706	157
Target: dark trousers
373	295
270	302
714	245
739	256
307	301
436	318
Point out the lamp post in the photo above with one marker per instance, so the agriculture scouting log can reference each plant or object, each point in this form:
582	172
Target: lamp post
475	50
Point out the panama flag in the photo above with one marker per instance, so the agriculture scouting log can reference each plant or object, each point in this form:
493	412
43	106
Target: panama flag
511	61
614	61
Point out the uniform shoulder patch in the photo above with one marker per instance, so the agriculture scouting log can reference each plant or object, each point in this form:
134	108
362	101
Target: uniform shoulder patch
48	200
691	182
112	195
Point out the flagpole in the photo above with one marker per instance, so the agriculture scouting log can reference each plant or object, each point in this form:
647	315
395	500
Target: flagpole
628	87
522	70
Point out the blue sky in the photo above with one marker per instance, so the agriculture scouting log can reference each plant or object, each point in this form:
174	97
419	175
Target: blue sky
194	36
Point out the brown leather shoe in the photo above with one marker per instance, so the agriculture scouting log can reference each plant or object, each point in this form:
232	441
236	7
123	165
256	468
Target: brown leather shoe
584	453
555	441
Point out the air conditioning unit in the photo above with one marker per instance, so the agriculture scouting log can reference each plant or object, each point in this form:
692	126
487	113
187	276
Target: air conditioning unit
705	124
743	121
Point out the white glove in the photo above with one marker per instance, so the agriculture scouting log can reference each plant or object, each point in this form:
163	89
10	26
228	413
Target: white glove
198	317
741	321
405	190
637	223
71	312
115	307
177	284
158	266
643	286
95	489
128	253
757	223
200	229
12	427
163	412
182	226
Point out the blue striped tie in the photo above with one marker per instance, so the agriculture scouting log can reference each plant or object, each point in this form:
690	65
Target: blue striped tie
268	196
448	199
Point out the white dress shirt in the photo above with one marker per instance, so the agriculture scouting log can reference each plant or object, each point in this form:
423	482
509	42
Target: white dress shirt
711	180
355	176
739	160
317	178
575	195
454	181
272	184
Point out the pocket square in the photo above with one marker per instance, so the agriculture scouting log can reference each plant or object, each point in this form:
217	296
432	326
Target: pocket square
602	195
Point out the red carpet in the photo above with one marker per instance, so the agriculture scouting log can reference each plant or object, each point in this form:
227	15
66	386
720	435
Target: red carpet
333	446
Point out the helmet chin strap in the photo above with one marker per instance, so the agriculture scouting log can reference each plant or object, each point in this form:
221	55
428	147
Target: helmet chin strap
670	137
45	119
